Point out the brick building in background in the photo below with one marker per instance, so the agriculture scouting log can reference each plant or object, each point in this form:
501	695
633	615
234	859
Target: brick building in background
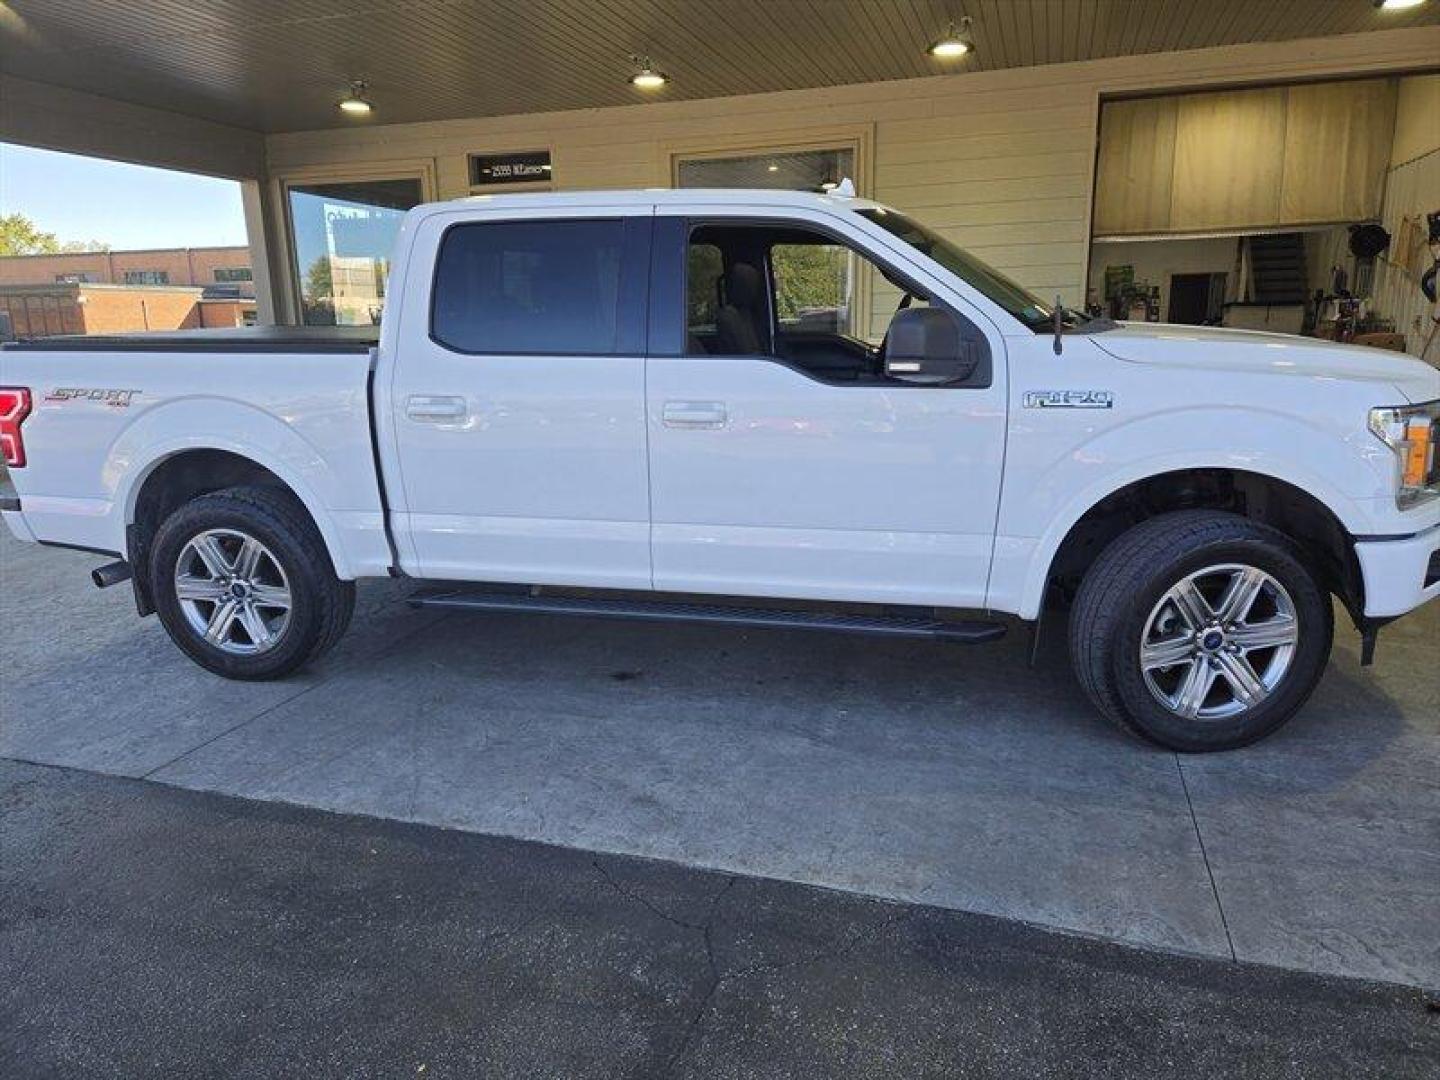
83	308
219	269
111	292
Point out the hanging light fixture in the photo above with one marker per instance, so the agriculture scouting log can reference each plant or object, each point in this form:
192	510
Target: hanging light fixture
954	43
646	77
357	103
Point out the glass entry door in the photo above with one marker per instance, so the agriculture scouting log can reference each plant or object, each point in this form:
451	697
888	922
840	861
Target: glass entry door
343	232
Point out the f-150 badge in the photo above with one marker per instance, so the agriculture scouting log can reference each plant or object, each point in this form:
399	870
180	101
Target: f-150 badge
1069	399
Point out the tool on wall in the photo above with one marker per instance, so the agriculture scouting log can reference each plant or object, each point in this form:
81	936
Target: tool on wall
1427	281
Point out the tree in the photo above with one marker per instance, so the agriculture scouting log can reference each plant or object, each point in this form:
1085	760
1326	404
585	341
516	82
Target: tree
317	294
20	236
319	280
809	278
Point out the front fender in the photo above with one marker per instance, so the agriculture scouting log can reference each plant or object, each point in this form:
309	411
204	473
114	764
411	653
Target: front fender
1049	488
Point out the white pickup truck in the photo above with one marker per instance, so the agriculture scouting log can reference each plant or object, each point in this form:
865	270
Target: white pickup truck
757	408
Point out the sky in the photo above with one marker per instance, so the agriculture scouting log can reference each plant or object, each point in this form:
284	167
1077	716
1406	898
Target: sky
125	206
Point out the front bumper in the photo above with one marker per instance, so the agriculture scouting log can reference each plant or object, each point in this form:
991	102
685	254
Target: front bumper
1400	574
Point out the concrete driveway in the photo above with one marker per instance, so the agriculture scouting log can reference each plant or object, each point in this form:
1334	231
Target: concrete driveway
955	777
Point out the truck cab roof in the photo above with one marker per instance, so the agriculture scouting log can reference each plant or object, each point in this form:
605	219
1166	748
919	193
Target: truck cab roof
769	198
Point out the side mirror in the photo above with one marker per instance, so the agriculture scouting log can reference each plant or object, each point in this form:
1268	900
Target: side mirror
925	346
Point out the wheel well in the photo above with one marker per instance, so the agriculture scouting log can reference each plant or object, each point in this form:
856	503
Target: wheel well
1321	538
174	482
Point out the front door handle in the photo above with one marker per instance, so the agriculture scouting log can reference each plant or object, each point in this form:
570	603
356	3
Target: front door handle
436	409
693	414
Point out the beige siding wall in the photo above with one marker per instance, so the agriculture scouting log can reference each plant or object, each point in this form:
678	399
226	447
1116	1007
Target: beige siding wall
1412	189
1002	162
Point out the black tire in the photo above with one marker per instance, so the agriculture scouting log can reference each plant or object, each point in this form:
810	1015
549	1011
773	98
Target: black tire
321	604
1128	580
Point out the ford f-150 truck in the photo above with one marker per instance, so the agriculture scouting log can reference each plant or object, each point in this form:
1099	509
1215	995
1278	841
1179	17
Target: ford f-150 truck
750	407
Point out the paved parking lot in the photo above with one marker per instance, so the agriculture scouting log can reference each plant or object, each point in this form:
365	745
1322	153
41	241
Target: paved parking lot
251	939
955	777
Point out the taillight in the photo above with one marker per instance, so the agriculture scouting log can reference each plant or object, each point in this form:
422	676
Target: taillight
14	407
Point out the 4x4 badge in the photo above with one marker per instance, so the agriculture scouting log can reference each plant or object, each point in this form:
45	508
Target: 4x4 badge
1069	399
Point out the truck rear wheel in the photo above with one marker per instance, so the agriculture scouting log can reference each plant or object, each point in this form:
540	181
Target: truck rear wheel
1200	630
243	584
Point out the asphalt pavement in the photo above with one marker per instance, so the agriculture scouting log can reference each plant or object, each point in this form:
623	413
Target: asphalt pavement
151	931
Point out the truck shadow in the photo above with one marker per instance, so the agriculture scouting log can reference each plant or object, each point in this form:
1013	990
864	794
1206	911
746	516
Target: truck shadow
826	687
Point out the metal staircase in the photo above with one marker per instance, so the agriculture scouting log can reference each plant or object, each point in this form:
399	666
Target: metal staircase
1277	268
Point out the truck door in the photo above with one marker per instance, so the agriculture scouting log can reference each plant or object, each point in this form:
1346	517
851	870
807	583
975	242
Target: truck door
518	399
783	460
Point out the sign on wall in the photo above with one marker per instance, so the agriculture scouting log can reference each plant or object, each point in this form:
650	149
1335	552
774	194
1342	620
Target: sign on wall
523	167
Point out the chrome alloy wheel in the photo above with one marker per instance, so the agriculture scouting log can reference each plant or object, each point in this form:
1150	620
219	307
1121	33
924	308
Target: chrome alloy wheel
233	591
1219	642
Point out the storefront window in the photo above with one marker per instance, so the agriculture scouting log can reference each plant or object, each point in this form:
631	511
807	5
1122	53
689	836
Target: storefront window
797	170
343	234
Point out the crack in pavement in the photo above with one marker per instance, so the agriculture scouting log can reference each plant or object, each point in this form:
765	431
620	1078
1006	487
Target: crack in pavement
706	931
703	1007
718	978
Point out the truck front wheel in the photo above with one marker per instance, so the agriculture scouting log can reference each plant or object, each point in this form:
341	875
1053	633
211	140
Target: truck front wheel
1200	630
243	584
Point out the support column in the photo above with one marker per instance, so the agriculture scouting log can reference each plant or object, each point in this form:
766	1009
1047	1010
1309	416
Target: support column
267	253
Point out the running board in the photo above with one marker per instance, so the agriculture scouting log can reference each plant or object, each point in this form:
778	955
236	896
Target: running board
967	632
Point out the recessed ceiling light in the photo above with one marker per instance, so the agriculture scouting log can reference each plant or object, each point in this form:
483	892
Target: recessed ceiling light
357	104
647	78
954	43
772	168
1397	5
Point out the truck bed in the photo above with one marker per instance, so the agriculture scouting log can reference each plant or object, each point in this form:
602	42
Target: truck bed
107	411
240	339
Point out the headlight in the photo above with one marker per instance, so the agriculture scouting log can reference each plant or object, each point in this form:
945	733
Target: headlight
1412	431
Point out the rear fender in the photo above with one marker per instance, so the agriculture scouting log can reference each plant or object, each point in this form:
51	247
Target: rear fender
224	424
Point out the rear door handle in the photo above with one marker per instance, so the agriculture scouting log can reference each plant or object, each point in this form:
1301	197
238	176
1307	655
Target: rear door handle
435	409
693	414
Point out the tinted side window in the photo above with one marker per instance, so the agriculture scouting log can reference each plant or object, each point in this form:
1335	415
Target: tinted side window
705	267
813	286
797	294
528	287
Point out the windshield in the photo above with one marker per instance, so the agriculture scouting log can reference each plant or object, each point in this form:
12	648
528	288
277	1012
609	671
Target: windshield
1017	300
